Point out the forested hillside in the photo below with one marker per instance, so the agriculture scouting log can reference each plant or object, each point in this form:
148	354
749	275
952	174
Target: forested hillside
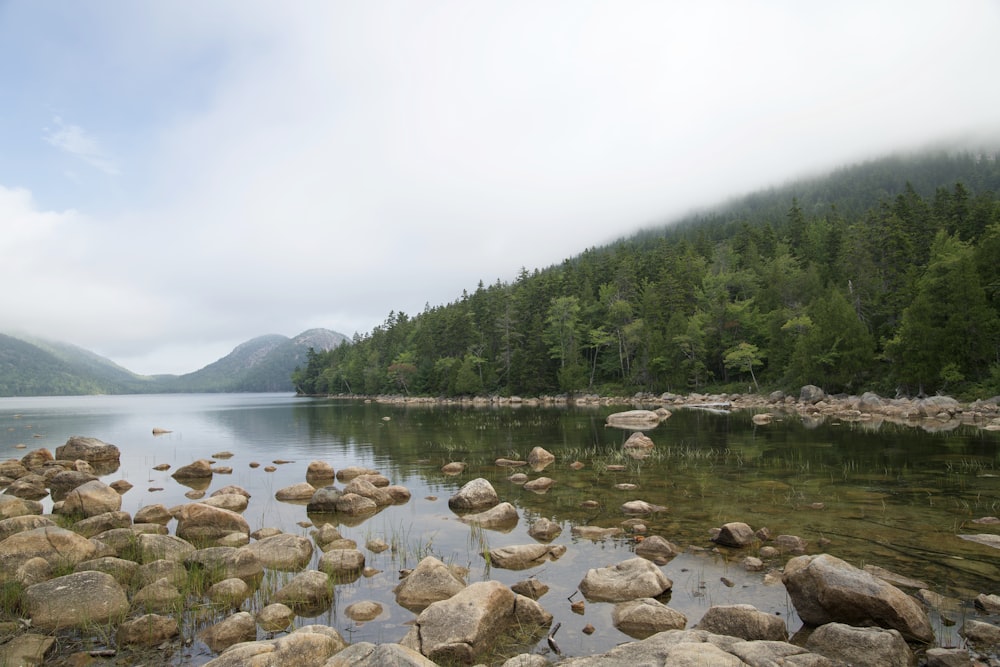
883	276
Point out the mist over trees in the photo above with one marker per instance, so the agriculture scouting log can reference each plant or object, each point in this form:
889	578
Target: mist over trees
884	276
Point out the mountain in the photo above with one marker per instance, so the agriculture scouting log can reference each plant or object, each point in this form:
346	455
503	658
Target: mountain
36	367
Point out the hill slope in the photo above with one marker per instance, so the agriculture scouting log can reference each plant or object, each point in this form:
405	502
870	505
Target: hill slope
36	367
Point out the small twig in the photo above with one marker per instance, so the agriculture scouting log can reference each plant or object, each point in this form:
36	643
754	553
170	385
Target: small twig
552	641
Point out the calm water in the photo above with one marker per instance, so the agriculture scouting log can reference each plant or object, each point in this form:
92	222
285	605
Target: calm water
894	496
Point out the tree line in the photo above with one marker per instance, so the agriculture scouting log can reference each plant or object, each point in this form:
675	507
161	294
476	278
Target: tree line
883	276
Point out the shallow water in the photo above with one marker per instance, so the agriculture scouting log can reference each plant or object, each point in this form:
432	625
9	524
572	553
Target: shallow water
892	496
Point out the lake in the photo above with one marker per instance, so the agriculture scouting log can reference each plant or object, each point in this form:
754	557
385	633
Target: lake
892	496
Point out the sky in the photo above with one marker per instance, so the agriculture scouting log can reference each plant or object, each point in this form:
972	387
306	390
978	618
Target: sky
179	177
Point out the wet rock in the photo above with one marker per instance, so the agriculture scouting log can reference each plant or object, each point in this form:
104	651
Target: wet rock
303	491
218	563
502	517
645	617
790	544
198	522
948	657
307	594
275	617
639	445
521	557
309	646
980	634
234	502
231	592
640	507
78	600
350	472
893	578
629	580
87	449
539	485
239	627
324	500
744	621
200	469
530	588
539	458
340	562
596	533
735	534
633	419
147	630
151	547
58	546
284	552
352	504
365	610
826	589
159	596
544	530
988	603
860	646
657	549
431	581
476	495
366	654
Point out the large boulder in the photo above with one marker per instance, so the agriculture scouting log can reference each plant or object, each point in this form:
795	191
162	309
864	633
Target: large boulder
811	394
846	644
219	563
464	626
431	581
19	524
57	546
308	646
197	522
476	495
629	580
826	589
11	506
645	617
87	449
286	552
366	654
200	469
65	481
240	627
147	630
90	499
78	600
152	547
308	593
744	621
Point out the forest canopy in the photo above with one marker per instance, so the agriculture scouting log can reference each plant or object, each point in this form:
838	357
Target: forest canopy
884	276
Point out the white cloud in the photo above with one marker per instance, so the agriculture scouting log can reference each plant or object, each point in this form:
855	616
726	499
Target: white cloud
74	140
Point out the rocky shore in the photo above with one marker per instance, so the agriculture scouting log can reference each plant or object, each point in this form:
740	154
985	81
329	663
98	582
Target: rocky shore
149	584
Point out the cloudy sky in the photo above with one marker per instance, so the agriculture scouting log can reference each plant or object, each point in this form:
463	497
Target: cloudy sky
179	177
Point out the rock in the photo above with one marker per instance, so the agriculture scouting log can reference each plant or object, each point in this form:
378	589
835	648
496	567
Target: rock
307	594
303	491
981	634
231	592
530	588
502	517
234	502
544	530
59	547
218	563
122	570
156	513
464	626
151	547
860	646
811	394
91	498
275	617
147	630
640	507
87	449
476	495
539	485
240	627
790	544
633	419
78	600
657	549
744	621
639	445
285	552
350	472
893	578
366	654
518	478
65	481
365	610
27	649
735	534
826	589
645	617
539	458
595	533
198	522
319	470
33	571
431	581
342	564
11	506
948	657
324	500
353	504
629	580
173	571
29	487
99	523
19	524
200	469
762	418
870	402
159	596
988	603
521	557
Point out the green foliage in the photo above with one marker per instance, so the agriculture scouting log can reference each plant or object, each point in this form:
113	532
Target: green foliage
879	275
